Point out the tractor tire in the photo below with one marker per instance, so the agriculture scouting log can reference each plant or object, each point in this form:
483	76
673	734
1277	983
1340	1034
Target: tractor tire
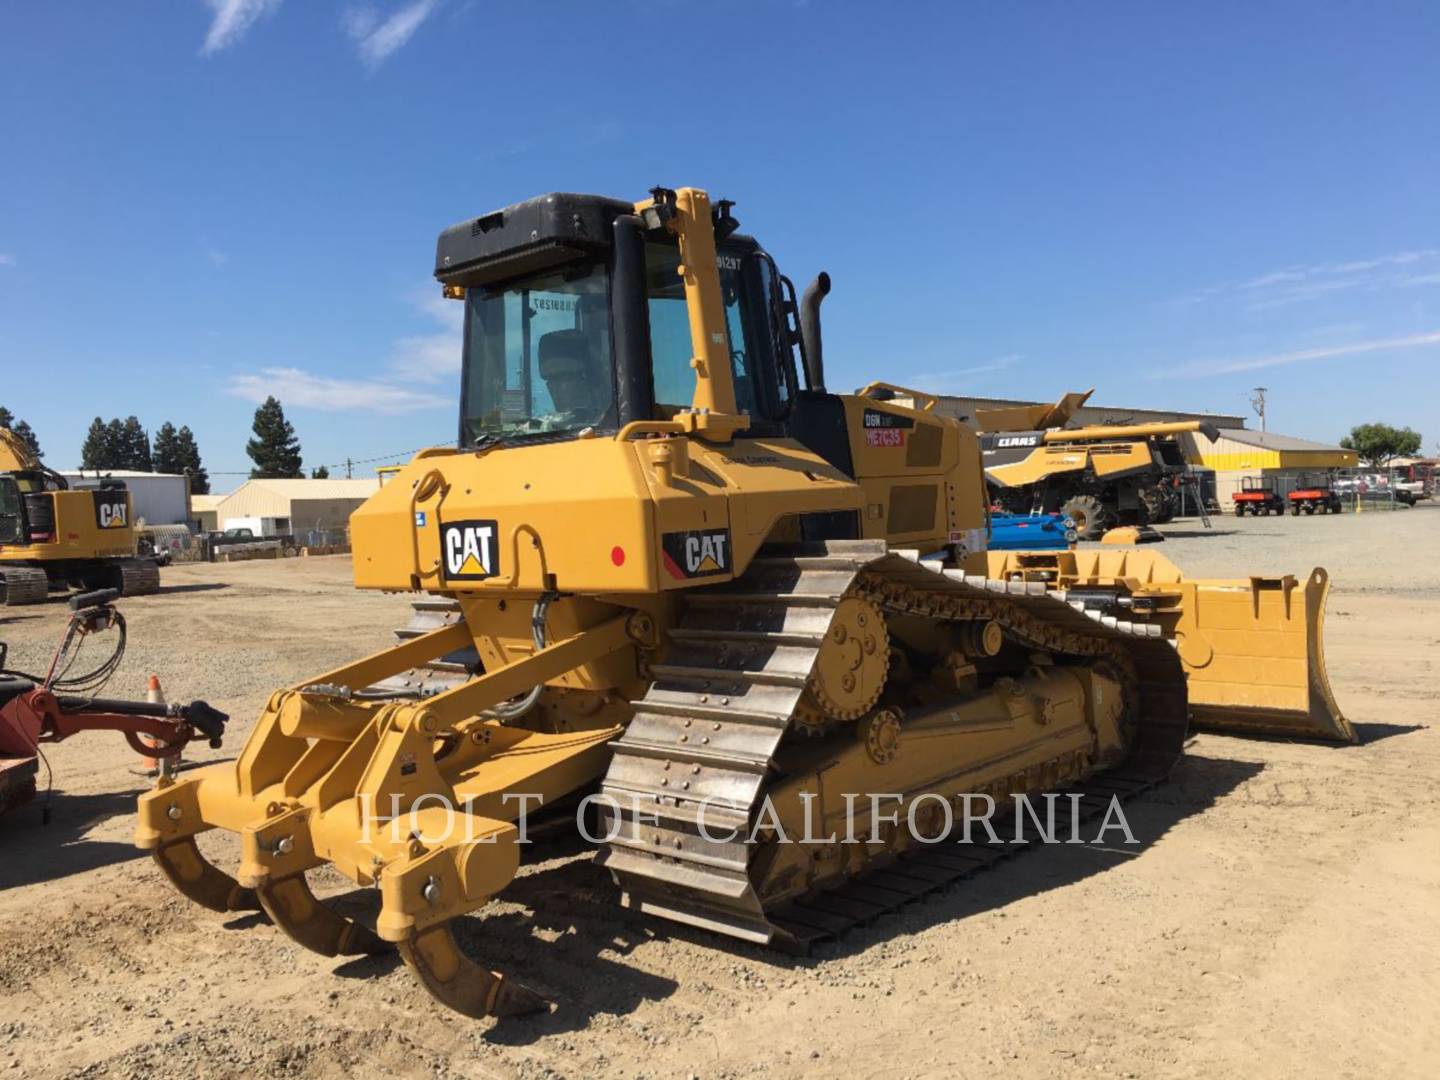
1158	505
1089	515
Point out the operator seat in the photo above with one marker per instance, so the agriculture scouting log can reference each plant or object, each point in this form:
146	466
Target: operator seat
571	374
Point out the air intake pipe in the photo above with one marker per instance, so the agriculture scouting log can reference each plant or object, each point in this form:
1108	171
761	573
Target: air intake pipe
810	331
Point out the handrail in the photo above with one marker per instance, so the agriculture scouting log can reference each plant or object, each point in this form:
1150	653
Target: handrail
428	485
930	399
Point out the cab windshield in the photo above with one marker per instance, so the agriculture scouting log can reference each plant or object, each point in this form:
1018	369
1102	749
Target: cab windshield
537	356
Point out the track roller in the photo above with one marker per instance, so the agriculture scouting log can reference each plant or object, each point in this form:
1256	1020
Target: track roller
459	983
307	921
197	879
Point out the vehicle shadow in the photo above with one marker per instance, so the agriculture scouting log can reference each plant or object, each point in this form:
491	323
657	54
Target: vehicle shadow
1373	733
1189	534
32	852
571	939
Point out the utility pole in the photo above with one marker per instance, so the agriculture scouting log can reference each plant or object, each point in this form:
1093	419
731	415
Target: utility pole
1258	403
349	477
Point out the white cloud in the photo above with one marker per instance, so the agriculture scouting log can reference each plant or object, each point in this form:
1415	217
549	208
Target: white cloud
953	381
1201	369
430	360
233	18
1309	281
309	391
436	356
376	38
6	260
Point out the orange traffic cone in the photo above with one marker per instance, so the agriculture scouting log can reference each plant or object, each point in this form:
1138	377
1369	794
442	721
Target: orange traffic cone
153	767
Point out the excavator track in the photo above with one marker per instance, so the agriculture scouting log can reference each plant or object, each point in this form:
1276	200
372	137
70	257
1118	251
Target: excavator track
23	585
137	577
701	751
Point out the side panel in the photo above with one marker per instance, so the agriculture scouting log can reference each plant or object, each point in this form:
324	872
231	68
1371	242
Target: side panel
88	524
921	475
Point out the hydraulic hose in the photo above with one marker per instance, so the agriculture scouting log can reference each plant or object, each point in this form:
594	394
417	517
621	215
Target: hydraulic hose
518	707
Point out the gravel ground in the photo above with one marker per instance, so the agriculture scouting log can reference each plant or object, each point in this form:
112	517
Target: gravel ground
1277	919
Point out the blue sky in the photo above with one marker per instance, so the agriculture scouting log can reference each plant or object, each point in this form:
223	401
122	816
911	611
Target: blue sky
205	201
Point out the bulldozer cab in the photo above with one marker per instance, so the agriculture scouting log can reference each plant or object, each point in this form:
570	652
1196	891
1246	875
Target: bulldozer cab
600	331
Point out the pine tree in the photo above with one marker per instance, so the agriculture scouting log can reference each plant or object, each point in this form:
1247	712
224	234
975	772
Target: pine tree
163	452
320	472
27	436
136	446
187	456
275	449
116	452
94	451
22	429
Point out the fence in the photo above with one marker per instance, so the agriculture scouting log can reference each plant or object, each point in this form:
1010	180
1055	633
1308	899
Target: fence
1360	490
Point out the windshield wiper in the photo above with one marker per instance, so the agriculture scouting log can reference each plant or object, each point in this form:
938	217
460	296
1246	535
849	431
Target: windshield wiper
486	440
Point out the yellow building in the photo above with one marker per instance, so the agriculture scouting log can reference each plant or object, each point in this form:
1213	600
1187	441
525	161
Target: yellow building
1239	453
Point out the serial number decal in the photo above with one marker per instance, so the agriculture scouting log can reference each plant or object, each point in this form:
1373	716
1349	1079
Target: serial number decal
697	553
470	550
884	437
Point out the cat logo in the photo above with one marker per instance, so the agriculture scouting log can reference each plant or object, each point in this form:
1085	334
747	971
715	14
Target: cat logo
700	553
471	550
111	511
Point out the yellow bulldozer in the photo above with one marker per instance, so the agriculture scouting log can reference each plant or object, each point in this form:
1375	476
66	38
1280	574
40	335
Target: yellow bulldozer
52	537
673	577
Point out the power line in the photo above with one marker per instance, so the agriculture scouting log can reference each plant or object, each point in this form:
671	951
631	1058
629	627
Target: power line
347	463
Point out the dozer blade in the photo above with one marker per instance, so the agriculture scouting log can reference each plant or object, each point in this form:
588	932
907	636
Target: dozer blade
1252	648
1254	653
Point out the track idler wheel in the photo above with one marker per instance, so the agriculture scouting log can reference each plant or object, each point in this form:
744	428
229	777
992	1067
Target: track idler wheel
306	920
459	983
197	879
853	662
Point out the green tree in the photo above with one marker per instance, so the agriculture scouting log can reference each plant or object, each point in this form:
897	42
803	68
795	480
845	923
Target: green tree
22	429
187	456
1378	444
164	451
275	449
320	472
135	446
116	447
95	450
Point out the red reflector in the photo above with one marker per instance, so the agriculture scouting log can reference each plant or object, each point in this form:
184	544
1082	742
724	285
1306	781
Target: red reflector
617	555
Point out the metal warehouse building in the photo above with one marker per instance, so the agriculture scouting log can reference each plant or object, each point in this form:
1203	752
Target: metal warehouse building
1239	453
157	498
297	506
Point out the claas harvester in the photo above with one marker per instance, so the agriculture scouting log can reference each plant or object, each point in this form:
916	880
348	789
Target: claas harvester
692	584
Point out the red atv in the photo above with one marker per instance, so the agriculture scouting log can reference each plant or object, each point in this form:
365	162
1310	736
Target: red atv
1314	495
1257	494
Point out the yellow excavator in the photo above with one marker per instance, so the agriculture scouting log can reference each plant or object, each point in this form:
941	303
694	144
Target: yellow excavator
54	538
719	604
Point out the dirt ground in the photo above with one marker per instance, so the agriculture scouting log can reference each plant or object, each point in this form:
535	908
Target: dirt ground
1280	916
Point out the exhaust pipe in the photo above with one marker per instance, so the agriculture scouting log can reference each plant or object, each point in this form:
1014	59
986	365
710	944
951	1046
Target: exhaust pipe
810	331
